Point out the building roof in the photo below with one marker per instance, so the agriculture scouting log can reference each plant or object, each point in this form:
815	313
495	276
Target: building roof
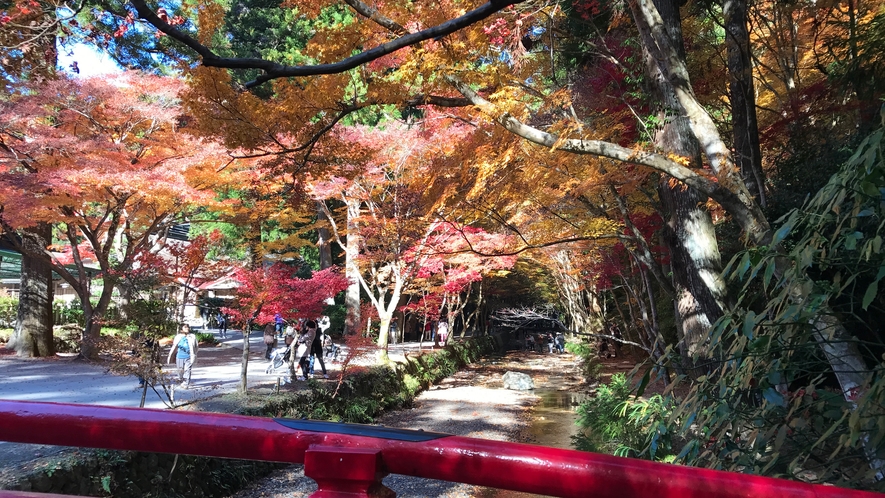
180	232
10	264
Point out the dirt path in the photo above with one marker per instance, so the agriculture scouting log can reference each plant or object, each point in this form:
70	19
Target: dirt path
471	403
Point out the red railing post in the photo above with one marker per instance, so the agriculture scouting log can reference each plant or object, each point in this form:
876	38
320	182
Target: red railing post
346	472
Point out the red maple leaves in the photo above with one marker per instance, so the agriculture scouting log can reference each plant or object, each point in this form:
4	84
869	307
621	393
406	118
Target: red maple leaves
264	292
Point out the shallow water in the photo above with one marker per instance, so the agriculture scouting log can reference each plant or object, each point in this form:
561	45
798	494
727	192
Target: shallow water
553	424
553	419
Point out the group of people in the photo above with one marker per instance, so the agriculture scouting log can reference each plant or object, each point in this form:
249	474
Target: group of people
554	343
311	345
437	331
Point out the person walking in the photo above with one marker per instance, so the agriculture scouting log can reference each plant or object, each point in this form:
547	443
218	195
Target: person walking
442	331
222	324
616	343
316	354
269	339
304	346
184	347
279	324
559	340
394	330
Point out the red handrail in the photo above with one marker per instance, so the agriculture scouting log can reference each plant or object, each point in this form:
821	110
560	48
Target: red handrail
504	465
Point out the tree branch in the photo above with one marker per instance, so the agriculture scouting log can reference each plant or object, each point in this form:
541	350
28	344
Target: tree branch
729	200
273	70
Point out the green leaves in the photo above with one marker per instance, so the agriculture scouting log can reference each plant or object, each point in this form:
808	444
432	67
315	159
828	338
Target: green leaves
873	289
823	260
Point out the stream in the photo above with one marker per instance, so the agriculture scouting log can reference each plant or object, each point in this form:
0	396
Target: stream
553	424
553	419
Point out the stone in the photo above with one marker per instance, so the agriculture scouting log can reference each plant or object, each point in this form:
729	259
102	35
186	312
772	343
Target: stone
518	381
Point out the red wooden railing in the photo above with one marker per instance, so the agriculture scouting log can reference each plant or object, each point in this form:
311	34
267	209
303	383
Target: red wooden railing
350	460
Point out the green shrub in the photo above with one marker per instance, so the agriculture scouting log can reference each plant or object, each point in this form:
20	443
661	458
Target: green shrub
581	349
67	313
591	367
8	311
614	423
206	338
366	392
413	385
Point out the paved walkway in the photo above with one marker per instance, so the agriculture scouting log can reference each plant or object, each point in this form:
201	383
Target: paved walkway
65	379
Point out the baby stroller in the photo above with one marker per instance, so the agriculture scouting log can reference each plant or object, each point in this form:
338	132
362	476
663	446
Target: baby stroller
278	358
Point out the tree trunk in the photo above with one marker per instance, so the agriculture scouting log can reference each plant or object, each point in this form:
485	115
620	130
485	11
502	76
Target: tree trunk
571	291
468	320
696	267
383	336
127	293
32	335
745	128
700	291
351	269
244	364
324	240
656	42
91	331
93	317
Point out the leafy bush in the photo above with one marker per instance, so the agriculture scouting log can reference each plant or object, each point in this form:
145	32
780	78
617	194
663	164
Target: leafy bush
8	311
769	401
591	367
367	392
67	313
206	338
581	349
612	422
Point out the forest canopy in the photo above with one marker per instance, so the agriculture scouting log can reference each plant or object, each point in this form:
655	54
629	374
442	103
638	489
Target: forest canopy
708	177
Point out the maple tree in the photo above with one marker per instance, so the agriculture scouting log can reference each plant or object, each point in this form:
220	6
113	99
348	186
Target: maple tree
461	256
108	162
389	233
383	217
505	83
264	292
180	264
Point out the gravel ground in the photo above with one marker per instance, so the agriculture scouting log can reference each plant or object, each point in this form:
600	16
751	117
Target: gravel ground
470	403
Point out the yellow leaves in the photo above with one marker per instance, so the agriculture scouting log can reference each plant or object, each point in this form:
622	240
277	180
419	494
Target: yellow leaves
682	160
559	99
675	184
210	18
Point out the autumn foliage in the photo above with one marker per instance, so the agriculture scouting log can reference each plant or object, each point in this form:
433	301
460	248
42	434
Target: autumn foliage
108	162
264	292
